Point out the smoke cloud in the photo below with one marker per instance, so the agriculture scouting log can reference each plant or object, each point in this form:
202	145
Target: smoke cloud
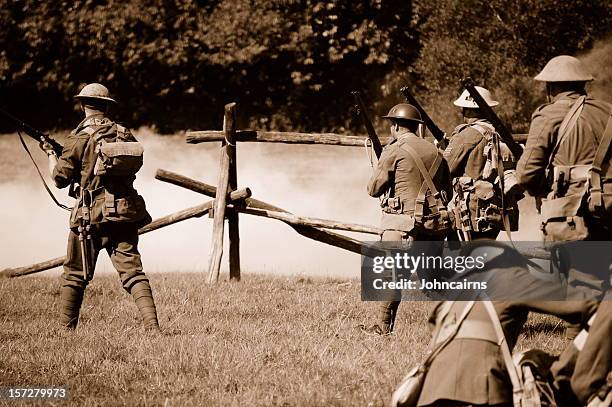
598	61
319	181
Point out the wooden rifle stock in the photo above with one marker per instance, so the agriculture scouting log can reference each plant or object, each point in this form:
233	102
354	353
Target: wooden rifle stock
361	111
431	126
504	132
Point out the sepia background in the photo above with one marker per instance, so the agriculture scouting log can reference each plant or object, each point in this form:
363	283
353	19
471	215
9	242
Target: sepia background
290	65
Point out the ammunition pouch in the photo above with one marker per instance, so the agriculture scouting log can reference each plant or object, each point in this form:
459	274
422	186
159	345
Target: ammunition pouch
563	220
99	206
393	205
483	201
131	208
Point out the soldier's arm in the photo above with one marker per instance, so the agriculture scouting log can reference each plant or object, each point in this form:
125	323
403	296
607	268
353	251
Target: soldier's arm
383	175
457	152
68	166
530	169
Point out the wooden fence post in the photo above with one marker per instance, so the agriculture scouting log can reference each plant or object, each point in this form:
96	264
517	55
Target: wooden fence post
232	215
221	196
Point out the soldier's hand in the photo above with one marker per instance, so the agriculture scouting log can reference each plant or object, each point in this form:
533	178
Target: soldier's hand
46	147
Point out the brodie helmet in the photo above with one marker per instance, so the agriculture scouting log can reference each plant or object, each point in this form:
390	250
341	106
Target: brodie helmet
564	68
95	91
404	111
465	100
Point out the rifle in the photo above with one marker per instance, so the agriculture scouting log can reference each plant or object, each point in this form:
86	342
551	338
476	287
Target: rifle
361	111
33	133
504	132
85	236
431	126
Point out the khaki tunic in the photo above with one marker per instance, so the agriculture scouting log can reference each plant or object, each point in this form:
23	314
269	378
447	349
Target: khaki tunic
577	149
398	174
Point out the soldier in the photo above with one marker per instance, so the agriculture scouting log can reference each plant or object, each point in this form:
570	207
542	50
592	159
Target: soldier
583	372
476	159
471	368
108	211
413	182
564	139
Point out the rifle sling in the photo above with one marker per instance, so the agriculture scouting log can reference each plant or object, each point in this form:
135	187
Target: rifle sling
41	176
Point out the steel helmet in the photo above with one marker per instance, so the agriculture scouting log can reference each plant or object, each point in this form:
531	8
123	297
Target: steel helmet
404	111
564	68
95	91
465	100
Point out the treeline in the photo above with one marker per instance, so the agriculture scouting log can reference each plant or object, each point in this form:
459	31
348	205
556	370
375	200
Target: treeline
288	63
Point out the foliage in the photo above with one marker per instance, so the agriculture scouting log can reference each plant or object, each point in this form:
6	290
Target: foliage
289	63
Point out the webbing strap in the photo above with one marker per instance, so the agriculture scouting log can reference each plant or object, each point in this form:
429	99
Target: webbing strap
600	155
568	123
61	205
427	180
517	384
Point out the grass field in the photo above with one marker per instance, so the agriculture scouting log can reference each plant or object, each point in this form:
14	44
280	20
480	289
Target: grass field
266	341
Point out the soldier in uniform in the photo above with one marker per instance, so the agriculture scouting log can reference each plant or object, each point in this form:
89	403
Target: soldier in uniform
564	136
108	207
477	161
583	372
413	183
471	368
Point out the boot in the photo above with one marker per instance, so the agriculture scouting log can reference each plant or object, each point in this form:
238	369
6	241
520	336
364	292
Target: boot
71	299
143	297
388	311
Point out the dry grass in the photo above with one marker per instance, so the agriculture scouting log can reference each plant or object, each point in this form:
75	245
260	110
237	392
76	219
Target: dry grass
266	341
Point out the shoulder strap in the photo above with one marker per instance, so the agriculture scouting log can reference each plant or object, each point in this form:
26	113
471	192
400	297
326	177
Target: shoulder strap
596	202
483	128
427	180
517	384
568	123
604	146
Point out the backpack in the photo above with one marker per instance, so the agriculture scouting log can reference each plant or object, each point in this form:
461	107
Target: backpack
118	157
487	198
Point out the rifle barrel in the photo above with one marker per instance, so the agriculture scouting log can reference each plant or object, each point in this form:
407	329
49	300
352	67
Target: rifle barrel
504	132
433	128
32	132
361	110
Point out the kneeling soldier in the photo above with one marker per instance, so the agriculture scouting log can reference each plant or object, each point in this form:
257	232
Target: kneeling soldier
413	183
102	157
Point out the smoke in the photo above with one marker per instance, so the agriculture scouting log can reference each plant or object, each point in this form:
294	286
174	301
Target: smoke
599	62
319	181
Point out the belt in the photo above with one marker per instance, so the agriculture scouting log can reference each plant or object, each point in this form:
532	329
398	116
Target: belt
572	172
481	330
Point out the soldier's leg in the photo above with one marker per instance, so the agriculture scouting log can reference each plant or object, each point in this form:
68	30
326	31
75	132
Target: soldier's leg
73	283
123	251
387	310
